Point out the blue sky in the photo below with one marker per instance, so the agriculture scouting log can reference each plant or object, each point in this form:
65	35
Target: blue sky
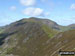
60	11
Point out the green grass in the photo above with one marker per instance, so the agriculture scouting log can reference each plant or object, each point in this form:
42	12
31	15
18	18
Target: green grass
1	30
66	28
49	31
9	50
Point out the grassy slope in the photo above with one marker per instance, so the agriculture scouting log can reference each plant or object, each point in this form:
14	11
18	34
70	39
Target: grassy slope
1	30
49	31
39	42
42	34
66	28
44	46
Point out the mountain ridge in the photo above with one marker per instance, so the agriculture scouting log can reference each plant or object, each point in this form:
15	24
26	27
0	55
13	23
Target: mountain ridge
35	37
49	23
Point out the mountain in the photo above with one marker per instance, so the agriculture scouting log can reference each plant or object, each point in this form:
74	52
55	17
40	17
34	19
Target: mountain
72	26
66	28
1	29
48	22
35	37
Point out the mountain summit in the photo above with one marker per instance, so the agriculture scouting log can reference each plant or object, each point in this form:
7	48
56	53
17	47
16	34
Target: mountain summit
35	37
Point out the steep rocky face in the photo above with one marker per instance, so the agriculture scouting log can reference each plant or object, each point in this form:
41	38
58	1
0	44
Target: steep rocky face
35	37
31	41
45	46
25	35
41	45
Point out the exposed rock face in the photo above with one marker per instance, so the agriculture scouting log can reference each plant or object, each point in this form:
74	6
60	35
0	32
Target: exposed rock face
35	37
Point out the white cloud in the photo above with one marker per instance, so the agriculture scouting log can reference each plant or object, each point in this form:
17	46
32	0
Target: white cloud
13	8
31	11
73	6
28	2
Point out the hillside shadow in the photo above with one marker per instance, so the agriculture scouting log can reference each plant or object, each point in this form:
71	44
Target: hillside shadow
4	35
21	23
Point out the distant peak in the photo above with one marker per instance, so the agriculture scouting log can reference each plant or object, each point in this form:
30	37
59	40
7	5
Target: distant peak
71	25
33	18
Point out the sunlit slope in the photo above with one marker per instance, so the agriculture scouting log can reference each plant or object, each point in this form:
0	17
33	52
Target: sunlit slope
35	37
43	45
25	34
